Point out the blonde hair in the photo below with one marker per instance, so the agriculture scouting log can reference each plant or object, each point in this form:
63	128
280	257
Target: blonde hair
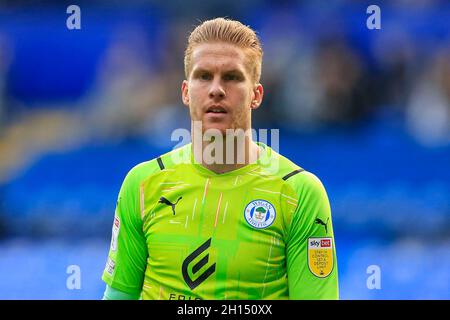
230	31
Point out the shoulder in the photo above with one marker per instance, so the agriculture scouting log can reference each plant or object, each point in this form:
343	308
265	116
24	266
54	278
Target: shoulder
146	169
293	175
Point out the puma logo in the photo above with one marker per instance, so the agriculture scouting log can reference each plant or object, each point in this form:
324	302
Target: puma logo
318	221
167	202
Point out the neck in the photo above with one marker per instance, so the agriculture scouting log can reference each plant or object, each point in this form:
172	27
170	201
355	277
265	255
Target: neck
232	154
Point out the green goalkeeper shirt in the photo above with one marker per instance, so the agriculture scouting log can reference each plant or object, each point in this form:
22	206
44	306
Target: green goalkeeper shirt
263	231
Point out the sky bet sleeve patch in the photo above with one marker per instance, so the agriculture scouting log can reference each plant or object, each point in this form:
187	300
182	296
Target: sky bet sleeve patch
115	233
320	256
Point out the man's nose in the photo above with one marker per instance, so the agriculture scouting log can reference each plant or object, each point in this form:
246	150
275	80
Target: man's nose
216	90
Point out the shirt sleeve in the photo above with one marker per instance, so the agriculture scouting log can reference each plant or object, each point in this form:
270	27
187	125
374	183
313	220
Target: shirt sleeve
126	263
114	294
310	251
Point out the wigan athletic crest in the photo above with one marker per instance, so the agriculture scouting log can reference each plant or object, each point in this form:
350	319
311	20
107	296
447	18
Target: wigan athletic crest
260	214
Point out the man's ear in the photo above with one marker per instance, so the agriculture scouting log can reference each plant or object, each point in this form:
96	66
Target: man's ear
185	93
258	93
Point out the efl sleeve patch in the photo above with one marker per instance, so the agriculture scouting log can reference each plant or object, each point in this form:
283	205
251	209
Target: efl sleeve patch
320	256
115	233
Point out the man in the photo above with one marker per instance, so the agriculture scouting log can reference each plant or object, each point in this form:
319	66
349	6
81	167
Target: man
205	228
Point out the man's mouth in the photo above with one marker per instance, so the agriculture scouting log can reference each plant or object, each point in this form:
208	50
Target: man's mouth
216	109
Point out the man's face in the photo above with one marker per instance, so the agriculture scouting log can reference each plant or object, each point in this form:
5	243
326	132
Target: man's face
220	91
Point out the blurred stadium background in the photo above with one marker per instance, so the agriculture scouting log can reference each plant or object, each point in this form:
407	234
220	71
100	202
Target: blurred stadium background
368	111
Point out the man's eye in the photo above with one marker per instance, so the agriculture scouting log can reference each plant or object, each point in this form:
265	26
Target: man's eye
231	77
205	76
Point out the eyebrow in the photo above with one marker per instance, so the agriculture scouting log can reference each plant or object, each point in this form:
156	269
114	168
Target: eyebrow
230	71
